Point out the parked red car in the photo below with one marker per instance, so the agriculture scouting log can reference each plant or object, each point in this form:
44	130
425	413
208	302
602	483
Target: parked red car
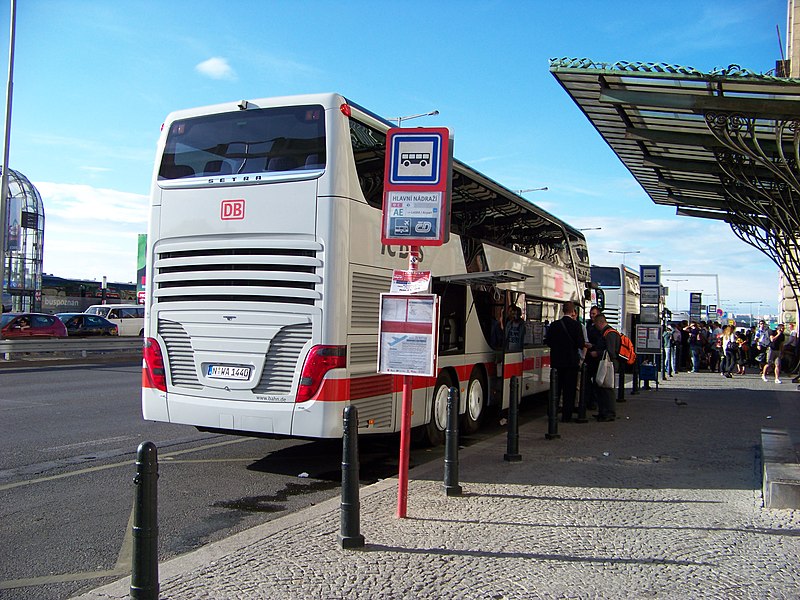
25	325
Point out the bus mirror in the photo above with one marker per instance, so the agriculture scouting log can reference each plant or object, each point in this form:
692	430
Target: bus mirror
601	299
587	294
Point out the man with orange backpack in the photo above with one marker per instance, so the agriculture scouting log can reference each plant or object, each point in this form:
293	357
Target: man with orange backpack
609	342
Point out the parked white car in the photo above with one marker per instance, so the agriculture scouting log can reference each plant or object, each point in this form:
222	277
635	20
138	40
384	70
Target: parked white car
129	318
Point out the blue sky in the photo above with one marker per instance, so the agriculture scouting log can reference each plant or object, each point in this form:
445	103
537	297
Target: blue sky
94	80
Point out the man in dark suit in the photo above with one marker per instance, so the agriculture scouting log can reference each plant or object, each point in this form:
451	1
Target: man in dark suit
565	338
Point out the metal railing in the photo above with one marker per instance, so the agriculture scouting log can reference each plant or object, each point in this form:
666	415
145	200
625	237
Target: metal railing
11	349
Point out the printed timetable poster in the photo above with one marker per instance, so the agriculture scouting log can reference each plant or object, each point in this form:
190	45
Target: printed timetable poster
407	334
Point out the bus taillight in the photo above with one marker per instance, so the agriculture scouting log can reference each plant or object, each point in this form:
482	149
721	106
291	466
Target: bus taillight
319	361
154	364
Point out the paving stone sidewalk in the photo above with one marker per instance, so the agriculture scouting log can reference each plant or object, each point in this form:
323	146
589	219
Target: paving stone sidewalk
665	502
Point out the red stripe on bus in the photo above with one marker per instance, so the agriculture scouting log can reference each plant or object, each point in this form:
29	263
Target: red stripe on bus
146	383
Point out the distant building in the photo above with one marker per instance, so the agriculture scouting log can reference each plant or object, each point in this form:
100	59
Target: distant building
24	245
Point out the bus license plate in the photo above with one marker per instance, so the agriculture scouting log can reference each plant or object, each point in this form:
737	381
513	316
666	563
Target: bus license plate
228	372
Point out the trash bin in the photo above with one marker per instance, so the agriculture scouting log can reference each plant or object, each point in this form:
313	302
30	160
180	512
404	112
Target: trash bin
647	373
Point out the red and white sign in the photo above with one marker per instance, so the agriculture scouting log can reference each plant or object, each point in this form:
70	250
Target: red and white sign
407	334
416	200
410	282
232	210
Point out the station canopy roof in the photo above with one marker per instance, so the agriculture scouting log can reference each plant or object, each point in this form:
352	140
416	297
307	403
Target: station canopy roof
686	135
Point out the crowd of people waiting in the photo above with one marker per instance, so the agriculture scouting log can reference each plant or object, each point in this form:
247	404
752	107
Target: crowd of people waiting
699	346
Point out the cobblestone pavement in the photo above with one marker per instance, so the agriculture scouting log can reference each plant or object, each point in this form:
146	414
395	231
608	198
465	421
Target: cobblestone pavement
665	502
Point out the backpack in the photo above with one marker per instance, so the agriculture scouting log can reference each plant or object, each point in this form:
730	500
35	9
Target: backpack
626	351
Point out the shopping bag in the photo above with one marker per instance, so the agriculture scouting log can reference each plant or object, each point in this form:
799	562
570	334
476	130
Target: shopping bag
605	373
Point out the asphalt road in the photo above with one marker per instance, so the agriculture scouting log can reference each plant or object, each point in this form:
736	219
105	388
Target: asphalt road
66	478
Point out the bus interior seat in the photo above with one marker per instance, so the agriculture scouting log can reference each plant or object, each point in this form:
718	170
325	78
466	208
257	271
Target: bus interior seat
253	165
281	163
176	171
313	162
217	167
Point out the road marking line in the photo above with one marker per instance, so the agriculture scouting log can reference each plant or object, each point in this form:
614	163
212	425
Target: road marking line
120	438
65	578
125	558
127	463
169	460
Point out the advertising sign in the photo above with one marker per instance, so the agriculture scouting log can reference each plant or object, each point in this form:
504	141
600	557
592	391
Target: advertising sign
649	294
416	201
648	339
408	334
649	314
695	300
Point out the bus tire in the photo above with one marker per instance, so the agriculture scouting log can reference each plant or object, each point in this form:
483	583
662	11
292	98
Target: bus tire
475	405
435	427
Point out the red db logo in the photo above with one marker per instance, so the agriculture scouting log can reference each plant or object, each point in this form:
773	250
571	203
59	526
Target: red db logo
232	210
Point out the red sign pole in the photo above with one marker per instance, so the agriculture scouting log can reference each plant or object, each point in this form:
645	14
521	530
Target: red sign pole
405	420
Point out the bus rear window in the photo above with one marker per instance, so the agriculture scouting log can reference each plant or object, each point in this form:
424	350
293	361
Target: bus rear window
251	141
607	277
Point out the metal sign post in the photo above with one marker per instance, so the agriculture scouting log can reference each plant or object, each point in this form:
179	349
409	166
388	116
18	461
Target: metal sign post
405	422
416	212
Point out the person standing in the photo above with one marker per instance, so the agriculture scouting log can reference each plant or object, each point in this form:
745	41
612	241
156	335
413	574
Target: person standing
774	352
761	343
667	368
515	330
730	349
592	356
565	338
696	344
609	342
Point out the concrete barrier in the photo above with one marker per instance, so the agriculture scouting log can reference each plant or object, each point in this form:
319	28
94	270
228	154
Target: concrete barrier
780	470
17	349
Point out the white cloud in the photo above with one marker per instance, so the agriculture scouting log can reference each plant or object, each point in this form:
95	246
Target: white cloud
91	232
686	245
216	68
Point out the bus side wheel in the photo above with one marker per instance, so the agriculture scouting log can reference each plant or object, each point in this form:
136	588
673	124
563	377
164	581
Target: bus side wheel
476	403
435	427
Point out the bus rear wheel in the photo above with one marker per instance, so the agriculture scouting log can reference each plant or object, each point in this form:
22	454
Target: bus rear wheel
476	403
434	429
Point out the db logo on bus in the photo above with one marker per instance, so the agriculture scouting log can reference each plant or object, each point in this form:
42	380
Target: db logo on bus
232	210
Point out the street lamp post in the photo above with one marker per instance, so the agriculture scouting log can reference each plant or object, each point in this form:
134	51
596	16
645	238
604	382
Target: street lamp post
400	120
624	253
4	276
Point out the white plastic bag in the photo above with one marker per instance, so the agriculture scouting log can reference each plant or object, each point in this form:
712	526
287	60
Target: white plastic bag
605	373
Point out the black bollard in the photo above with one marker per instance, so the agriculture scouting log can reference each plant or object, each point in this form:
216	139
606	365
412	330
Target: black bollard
584	379
552	407
350	509
451	486
512	445
144	565
620	366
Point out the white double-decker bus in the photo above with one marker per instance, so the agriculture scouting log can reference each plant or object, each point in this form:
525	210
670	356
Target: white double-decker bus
265	268
622	294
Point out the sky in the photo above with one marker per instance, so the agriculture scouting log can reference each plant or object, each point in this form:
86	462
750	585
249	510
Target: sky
94	80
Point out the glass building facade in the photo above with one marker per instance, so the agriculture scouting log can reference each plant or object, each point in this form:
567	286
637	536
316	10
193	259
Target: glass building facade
24	244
